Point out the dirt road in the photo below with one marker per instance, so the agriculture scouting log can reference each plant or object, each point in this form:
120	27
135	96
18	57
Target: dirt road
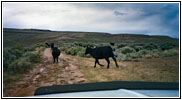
47	74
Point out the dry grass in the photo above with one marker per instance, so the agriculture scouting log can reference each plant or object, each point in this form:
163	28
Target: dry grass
157	69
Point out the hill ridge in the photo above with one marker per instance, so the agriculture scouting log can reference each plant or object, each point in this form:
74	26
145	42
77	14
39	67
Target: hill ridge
34	36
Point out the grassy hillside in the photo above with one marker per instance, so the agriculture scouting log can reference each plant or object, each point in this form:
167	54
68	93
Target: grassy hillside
29	37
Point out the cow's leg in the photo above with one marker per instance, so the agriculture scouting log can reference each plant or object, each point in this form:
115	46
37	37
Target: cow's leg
115	62
99	63
108	62
96	60
57	59
54	59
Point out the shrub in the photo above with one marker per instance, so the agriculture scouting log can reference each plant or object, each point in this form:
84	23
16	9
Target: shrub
40	45
127	49
150	46
148	56
15	59
121	45
28	48
17	47
81	44
156	53
7	59
131	57
10	55
167	46
137	48
119	55
142	53
168	53
73	50
127	59
33	57
65	47
81	52
134	55
17	52
21	65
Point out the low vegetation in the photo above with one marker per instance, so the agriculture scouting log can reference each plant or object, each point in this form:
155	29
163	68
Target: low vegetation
126	52
18	60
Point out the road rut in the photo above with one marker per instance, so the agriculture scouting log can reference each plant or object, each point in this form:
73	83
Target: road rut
66	71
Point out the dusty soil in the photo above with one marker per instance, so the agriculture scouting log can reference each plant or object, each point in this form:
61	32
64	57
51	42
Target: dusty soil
164	69
66	71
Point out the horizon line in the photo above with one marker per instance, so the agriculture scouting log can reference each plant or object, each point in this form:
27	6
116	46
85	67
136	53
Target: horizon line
39	29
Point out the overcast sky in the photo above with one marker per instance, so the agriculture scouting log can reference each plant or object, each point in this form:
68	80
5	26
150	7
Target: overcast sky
135	18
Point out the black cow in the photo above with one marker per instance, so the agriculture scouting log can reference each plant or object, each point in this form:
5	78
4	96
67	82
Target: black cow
101	53
55	52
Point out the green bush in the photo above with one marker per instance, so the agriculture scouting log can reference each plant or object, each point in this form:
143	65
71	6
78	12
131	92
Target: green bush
65	47
150	46
21	65
121	45
133	55
142	53
73	50
167	46
33	57
127	59
10	55
156	53
13	51
137	48
39	45
7	60
171	52
81	44
17	47
148	56
127	49
124	52
16	60
28	48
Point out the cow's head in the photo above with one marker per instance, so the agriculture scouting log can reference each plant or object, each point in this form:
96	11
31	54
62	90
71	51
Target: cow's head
52	45
88	50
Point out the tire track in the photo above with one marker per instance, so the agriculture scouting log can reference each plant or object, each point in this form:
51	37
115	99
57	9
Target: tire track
47	74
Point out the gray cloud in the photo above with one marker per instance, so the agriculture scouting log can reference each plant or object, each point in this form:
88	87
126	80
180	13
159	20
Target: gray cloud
161	19
117	13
